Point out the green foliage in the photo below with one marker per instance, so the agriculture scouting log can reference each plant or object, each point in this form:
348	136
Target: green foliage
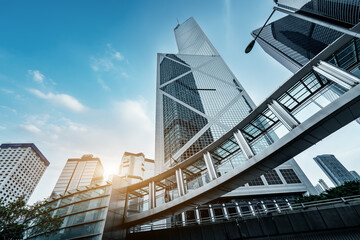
16	217
347	189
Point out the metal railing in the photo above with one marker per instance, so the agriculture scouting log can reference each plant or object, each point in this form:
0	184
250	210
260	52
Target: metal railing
246	214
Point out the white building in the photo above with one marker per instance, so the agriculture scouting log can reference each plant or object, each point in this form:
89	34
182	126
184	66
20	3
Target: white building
21	167
135	167
79	172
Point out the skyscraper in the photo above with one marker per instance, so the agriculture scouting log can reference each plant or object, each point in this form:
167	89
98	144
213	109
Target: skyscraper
21	167
319	189
135	167
198	100
332	167
323	184
341	12
79	172
355	175
293	41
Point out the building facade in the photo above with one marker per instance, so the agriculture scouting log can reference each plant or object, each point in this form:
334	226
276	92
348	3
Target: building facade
323	184
83	210
198	100
135	167
341	12
293	41
355	175
333	168
319	189
21	167
79	172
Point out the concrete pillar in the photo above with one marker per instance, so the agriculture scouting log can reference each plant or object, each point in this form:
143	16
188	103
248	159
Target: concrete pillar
152	199
210	166
180	182
243	144
337	75
283	115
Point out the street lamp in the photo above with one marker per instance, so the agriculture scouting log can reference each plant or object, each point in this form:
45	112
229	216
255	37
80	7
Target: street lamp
252	43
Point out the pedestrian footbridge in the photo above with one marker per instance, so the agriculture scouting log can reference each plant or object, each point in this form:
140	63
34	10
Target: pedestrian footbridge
315	102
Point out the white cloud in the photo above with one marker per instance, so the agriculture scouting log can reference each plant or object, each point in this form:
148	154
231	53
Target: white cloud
124	74
106	61
118	56
9	109
103	84
101	64
2	128
37	76
64	100
31	128
7	91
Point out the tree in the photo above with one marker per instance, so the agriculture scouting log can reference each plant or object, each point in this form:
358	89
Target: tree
351	188
16	217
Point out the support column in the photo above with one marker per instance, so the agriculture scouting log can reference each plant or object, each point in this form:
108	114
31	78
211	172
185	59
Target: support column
243	144
283	115
152	203
180	182
210	166
336	75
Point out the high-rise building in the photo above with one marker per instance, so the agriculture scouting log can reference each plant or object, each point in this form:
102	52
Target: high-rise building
198	100
319	189
21	167
355	175
135	167
340	12
293	41
333	168
323	184
79	172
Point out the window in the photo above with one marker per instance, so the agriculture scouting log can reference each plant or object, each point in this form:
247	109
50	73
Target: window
272	178
290	176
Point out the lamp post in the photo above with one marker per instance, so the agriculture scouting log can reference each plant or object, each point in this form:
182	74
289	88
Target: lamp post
252	43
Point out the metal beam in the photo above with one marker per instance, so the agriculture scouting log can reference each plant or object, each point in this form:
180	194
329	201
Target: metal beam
283	115
243	144
210	166
337	75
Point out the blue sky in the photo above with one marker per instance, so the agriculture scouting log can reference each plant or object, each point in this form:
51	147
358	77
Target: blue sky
78	77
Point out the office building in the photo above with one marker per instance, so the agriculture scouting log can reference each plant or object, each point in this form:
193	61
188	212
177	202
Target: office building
319	189
135	167
83	210
198	97
341	12
21	167
332	167
79	172
293	41
355	175
198	100
323	184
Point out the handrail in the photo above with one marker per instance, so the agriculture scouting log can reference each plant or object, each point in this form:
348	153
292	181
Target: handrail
245	215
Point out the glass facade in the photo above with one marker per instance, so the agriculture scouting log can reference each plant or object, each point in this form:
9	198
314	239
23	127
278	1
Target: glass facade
199	99
293	41
79	172
342	11
333	168
83	211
